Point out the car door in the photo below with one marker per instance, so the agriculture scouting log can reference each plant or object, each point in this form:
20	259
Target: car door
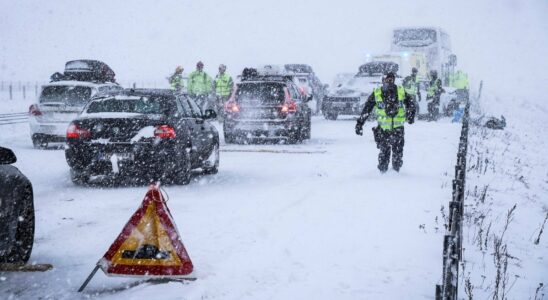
200	131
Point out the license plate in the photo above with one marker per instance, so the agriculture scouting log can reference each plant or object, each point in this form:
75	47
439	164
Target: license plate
338	104
119	156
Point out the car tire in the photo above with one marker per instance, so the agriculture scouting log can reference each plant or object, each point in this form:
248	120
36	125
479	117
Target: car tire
331	115
24	235
39	142
184	174
78	177
215	168
229	138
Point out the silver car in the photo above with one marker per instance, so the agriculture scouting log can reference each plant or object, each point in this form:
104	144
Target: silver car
59	103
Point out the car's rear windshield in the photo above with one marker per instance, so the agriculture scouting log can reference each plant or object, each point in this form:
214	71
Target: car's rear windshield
139	105
262	92
69	95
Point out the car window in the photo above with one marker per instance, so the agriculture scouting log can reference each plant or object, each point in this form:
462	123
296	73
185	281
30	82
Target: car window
263	92
186	110
294	92
66	94
196	111
142	105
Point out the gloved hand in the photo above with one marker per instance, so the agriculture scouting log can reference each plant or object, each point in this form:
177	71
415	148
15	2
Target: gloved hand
359	128
411	121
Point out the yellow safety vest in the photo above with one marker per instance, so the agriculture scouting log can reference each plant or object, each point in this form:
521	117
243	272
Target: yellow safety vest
386	122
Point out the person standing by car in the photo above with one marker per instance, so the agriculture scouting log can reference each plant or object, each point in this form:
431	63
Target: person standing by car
223	88
433	96
393	106
411	86
176	80
199	86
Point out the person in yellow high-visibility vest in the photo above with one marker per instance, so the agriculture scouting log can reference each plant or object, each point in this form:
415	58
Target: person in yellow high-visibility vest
176	80
223	84
200	86
460	82
393	106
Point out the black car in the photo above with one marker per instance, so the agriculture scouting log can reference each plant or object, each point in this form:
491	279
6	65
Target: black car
16	211
266	107
148	134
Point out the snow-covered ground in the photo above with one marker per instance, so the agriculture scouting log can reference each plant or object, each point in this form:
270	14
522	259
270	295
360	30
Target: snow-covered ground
318	225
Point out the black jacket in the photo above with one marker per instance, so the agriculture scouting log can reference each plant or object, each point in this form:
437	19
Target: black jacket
370	104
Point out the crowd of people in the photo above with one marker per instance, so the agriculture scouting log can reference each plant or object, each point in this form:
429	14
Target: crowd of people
208	92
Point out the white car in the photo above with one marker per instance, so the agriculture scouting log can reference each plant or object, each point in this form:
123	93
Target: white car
58	104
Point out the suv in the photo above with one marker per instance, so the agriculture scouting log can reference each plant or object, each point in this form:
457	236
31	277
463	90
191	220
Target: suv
17	211
349	97
63	99
267	107
316	88
148	134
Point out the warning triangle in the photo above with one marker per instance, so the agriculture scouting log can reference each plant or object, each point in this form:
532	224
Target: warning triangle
149	245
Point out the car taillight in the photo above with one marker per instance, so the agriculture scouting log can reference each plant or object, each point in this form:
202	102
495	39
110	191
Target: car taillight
165	132
34	111
232	107
76	132
289	106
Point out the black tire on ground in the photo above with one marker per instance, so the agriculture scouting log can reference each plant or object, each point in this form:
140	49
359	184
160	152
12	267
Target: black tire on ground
215	168
38	141
229	138
184	175
78	177
331	115
24	235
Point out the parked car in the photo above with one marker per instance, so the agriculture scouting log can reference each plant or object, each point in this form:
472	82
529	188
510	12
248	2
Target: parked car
63	99
316	88
149	134
348	98
16	211
266	107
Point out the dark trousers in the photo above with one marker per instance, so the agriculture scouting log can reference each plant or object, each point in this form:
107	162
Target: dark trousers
433	108
390	142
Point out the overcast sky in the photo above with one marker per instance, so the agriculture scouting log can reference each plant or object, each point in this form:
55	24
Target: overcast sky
499	41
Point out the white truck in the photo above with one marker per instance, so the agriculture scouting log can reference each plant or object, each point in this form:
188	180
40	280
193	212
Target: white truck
433	42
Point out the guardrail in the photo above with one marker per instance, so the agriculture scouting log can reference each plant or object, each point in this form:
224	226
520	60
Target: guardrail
13	118
452	241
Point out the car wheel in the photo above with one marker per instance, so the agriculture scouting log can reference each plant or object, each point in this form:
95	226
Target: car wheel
24	235
331	115
39	142
184	175
215	168
78	177
229	138
308	131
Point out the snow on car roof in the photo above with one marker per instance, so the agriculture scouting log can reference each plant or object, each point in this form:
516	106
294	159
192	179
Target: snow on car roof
75	83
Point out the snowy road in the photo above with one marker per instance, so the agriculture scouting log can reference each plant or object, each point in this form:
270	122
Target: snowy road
318	225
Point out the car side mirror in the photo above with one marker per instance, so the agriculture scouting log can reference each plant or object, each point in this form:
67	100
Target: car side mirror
210	114
7	156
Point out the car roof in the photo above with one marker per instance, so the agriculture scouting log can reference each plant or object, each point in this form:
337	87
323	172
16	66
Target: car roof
77	83
140	93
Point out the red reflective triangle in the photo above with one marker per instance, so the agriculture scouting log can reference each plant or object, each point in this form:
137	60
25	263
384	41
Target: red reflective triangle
149	244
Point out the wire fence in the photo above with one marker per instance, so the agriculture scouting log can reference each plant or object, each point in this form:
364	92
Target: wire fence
452	241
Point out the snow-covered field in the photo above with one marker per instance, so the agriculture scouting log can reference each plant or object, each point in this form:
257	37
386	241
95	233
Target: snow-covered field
319	225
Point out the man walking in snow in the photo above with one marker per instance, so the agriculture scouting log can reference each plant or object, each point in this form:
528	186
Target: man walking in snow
393	106
199	86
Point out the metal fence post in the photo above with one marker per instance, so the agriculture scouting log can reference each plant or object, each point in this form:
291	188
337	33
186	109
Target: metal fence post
24	92
11	92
